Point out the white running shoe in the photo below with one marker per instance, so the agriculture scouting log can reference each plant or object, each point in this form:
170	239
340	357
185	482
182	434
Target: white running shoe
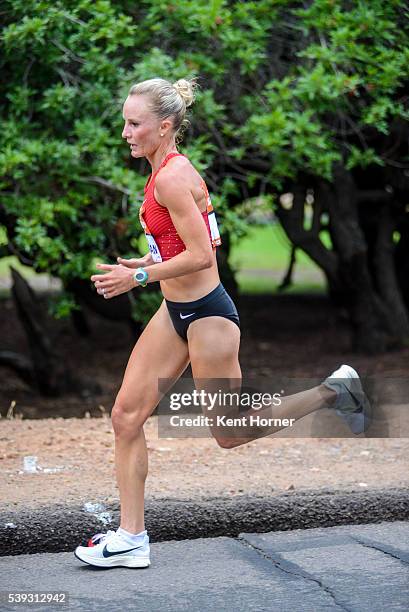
111	550
352	405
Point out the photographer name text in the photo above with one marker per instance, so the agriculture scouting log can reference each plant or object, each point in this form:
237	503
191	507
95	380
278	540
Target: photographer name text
224	421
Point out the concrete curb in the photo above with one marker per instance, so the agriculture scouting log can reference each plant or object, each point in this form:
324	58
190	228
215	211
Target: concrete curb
60	528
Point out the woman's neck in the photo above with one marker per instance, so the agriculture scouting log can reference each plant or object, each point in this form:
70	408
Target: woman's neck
159	155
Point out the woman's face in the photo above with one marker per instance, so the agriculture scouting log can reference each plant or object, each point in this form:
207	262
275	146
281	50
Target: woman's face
142	129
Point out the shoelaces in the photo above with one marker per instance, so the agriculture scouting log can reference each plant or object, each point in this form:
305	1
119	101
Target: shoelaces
100	537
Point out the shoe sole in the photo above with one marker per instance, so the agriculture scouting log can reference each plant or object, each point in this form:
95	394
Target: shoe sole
359	396
365	403
116	562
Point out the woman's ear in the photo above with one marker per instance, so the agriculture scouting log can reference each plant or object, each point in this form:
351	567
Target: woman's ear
166	125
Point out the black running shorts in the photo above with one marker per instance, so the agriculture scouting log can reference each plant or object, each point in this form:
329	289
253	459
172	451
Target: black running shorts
217	303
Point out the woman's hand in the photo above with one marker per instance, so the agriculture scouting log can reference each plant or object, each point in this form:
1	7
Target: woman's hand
116	280
134	263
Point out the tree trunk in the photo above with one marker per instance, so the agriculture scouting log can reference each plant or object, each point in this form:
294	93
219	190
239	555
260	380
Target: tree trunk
376	309
401	259
375	305
48	370
116	310
397	315
225	271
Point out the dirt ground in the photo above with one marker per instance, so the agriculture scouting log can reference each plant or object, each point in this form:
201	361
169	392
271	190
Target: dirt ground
75	462
281	335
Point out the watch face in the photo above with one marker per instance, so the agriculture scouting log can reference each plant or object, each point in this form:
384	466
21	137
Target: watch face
141	276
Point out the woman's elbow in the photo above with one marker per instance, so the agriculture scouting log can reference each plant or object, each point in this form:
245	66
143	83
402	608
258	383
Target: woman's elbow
204	261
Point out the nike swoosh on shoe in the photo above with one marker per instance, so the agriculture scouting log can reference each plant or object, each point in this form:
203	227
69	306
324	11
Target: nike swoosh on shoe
357	402
107	553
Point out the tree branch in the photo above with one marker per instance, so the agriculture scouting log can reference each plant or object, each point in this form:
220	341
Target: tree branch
68	52
100	181
292	221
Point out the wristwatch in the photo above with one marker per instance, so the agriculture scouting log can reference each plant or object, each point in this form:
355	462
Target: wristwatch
141	276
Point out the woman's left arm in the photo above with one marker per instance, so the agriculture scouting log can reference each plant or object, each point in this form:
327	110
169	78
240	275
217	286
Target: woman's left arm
173	192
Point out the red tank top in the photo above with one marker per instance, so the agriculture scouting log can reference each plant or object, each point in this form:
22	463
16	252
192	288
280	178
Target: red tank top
163	240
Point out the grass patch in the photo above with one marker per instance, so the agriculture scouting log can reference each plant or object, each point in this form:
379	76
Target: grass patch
6	262
249	284
266	248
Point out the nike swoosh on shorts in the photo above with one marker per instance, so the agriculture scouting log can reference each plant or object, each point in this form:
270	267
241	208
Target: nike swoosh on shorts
107	553
186	316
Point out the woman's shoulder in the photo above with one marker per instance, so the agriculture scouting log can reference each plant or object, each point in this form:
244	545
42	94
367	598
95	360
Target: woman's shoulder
178	169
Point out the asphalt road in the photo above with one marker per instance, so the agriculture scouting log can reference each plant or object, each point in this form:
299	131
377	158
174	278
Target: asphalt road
354	568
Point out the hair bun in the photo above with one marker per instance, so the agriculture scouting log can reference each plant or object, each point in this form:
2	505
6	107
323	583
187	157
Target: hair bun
186	89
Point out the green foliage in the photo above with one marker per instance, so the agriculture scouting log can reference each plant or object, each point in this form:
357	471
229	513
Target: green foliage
350	70
69	191
61	305
300	88
145	306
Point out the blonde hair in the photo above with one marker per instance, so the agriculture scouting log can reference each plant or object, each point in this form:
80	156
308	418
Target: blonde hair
169	99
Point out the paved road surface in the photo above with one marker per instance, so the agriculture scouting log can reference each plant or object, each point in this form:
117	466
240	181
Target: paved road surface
357	568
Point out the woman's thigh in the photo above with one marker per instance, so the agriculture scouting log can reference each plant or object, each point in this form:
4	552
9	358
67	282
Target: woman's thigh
214	344
159	353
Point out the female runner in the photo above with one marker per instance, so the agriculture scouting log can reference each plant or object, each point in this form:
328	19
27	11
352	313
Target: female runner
196	313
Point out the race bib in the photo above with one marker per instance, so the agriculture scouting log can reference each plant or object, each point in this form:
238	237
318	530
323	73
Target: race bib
153	248
214	229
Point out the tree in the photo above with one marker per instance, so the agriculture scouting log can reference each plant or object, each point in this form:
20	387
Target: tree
335	125
69	192
309	101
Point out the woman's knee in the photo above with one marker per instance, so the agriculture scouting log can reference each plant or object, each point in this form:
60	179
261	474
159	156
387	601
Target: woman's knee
224	441
129	415
227	443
